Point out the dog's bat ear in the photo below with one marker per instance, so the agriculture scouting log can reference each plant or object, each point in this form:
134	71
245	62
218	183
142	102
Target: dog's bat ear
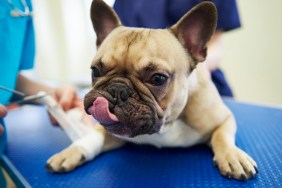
195	29
104	19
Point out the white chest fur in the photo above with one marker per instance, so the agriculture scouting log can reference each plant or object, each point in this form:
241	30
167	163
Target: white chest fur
177	135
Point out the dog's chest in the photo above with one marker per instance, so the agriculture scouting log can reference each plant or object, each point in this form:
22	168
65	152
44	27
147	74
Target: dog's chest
177	135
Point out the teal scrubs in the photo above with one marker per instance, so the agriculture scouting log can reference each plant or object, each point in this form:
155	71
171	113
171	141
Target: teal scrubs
17	51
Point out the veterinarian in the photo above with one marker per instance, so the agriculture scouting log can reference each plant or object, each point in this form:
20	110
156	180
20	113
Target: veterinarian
16	54
165	13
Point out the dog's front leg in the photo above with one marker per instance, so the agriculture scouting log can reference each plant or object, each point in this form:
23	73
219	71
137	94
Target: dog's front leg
82	150
231	161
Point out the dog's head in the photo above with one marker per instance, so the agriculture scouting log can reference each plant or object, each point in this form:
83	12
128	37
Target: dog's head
140	76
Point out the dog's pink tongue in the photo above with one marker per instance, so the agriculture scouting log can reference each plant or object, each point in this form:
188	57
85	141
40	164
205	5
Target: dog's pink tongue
100	111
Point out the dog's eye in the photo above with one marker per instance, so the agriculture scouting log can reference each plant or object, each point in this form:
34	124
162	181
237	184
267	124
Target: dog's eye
95	72
158	79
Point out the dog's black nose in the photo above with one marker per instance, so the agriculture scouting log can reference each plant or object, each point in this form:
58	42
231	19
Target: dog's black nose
119	91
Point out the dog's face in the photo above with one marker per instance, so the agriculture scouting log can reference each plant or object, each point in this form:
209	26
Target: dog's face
140	76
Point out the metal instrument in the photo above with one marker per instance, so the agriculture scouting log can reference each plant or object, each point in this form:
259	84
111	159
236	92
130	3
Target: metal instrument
71	124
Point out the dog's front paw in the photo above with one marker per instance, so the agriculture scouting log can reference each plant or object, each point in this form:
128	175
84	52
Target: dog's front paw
67	160
235	163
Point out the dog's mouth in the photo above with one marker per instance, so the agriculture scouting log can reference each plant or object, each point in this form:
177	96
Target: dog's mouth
100	110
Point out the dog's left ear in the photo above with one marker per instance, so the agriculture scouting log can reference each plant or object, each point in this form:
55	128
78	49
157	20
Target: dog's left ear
195	29
104	19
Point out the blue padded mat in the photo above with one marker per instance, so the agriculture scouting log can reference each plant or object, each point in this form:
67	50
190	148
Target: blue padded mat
32	140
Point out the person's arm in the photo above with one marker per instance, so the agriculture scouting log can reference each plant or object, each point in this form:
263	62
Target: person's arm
215	51
31	87
66	95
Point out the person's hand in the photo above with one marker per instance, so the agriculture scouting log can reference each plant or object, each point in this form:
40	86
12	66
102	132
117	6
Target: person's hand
3	113
68	98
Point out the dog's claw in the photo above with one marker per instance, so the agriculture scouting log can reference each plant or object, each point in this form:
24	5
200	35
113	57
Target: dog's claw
62	170
243	177
82	159
228	175
256	169
215	163
252	174
48	167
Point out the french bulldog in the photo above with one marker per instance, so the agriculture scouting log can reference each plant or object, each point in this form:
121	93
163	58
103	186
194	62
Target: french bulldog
149	87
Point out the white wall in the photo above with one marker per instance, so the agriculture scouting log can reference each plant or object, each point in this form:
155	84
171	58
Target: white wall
65	39
66	45
252	58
